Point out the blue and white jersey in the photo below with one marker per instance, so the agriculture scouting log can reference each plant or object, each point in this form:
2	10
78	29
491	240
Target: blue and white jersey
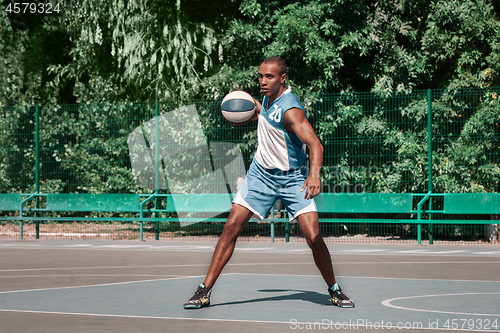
278	148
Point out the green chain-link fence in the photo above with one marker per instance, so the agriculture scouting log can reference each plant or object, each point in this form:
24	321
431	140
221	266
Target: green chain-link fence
375	143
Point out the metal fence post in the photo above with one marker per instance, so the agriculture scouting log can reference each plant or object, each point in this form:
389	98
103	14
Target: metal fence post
272	224
37	166
287	231
429	157
157	166
141	229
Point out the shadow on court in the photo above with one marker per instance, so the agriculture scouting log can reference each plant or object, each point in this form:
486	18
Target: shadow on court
298	295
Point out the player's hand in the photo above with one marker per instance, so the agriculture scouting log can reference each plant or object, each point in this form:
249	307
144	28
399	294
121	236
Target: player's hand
312	185
258	106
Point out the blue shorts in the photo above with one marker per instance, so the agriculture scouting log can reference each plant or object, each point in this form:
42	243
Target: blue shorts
262	187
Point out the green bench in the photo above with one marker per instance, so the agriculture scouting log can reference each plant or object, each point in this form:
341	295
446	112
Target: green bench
408	203
393	203
476	203
117	203
463	204
365	203
210	203
471	203
213	204
93	203
67	203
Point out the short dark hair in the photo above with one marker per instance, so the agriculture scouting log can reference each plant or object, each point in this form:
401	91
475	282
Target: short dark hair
282	68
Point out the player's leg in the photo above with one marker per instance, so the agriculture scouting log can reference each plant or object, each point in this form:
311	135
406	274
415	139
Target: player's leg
309	225
304	211
238	218
256	195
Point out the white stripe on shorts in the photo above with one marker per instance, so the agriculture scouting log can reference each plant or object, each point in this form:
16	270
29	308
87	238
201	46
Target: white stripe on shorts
309	208
239	200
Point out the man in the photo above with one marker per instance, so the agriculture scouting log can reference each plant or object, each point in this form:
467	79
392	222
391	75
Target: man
278	171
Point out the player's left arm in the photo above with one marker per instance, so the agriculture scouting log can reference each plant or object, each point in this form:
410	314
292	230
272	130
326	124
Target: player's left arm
296	122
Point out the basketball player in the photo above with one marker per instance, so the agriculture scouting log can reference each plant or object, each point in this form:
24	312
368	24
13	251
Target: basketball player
278	171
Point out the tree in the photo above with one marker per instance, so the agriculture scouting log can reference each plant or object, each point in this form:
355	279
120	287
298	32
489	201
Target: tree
31	43
11	67
461	44
138	50
364	45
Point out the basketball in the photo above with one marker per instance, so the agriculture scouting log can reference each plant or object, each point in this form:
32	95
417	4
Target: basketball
238	107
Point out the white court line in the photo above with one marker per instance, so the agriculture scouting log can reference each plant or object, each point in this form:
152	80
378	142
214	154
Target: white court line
183	247
253	248
413	251
125	246
89	275
154	266
149	317
251	264
366	277
361	251
101	285
444	252
201	276
387	303
191	248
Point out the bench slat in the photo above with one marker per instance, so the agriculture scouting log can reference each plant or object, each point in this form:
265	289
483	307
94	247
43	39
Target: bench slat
364	203
10	201
471	203
93	202
215	203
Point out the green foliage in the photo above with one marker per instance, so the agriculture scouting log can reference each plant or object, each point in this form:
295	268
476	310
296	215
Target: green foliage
462	44
373	143
381	46
380	143
85	147
17	149
11	68
136	51
176	50
30	43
